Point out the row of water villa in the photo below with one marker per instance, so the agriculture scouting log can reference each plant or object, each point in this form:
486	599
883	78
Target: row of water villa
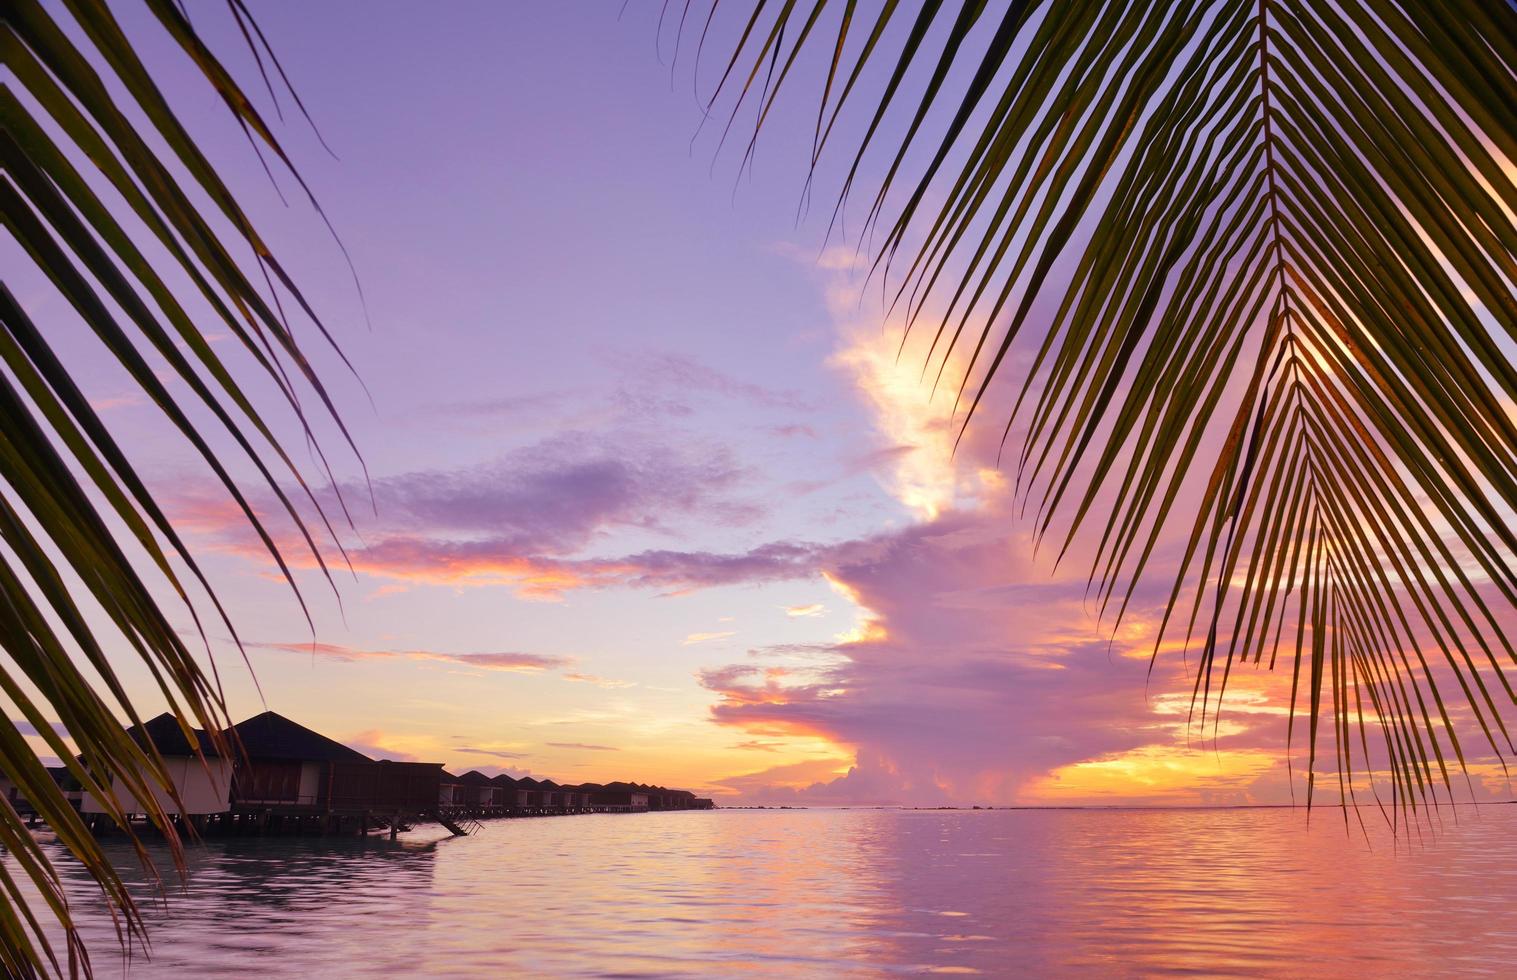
285	778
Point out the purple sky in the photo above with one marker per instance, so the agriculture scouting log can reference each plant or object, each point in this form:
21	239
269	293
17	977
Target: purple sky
655	500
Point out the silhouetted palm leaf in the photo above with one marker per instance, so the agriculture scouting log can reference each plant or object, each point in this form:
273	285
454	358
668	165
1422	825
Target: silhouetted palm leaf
70	490
1279	240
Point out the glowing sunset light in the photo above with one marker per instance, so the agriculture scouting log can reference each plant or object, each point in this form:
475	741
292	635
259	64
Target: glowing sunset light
982	432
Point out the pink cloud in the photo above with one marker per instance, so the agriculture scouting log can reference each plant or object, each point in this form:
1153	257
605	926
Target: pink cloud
980	673
526	521
530	662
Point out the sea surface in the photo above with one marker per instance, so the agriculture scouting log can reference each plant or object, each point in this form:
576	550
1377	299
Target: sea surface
846	893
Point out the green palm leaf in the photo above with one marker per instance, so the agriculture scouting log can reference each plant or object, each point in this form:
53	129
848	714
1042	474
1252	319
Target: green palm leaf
75	514
1278	239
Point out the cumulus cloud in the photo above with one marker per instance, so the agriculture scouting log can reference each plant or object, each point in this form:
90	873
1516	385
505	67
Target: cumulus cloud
978	674
819	783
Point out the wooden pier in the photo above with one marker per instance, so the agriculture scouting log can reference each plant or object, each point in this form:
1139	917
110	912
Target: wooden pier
271	821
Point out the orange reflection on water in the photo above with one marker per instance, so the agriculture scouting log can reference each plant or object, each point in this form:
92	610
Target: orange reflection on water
851	893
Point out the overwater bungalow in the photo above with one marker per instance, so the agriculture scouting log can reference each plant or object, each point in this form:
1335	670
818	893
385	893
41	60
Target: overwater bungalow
450	791
508	788
587	796
678	799
286	764
286	768
529	794
384	787
73	793
202	784
552	795
481	791
621	797
662	798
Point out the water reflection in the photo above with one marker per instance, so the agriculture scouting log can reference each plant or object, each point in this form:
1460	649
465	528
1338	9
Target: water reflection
858	892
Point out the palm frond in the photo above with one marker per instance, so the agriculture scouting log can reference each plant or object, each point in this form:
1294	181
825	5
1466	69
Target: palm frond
74	513
1277	238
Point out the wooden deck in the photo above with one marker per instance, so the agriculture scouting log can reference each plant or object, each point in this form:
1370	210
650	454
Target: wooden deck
257	820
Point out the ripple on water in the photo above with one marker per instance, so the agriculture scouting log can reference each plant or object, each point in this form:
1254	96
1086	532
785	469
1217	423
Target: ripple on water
851	893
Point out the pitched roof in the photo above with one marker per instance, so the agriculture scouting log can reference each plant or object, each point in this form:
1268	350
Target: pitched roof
66	780
528	782
504	780
273	736
474	778
165	735
448	777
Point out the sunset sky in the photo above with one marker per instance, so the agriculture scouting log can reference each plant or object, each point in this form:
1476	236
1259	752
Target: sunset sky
654	496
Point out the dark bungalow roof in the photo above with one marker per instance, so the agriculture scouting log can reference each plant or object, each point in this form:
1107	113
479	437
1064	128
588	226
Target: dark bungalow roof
528	782
65	779
591	787
448	777
165	735
504	780
273	736
549	784
474	778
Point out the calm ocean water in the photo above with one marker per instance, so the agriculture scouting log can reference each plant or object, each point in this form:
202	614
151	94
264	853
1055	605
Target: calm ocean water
848	892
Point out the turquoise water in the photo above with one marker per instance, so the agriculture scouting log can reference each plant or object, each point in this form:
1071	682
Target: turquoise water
850	893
